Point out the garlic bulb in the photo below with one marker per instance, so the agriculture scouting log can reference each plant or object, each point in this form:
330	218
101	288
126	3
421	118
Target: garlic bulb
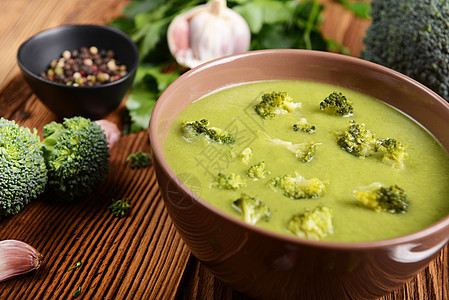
206	32
17	258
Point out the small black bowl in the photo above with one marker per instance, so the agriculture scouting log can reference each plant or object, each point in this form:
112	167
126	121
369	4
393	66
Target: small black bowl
95	102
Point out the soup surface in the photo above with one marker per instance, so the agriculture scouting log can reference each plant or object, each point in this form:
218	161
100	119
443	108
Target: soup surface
424	177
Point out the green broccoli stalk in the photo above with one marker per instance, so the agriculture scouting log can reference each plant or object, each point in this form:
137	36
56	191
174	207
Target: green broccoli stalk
251	209
304	152
313	225
274	104
23	174
304	126
298	187
119	207
394	152
411	37
191	130
246	155
258	171
139	160
392	199
357	140
76	155
337	104
228	182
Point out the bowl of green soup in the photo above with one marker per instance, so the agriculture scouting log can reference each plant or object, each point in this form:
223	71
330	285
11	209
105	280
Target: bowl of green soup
304	174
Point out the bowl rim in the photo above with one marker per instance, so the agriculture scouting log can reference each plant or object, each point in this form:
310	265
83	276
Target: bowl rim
157	151
65	27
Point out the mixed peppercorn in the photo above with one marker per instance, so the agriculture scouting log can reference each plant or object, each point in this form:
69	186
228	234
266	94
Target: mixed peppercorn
85	67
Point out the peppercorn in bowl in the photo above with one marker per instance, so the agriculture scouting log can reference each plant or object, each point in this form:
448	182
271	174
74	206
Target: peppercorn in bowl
79	70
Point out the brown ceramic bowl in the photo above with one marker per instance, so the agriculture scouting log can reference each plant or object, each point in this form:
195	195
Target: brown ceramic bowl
265	264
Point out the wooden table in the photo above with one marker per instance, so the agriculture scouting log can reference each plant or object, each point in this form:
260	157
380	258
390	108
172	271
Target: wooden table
140	256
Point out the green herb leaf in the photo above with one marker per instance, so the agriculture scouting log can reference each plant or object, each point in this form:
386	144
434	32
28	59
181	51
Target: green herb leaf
140	104
125	25
137	6
148	85
359	9
260	12
77	265
334	46
77	293
150	19
149	34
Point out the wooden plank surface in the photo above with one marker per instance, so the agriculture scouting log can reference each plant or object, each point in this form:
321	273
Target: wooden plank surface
140	256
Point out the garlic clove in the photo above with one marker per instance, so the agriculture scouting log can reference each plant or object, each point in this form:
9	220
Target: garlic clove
205	46
178	32
17	258
111	131
206	32
180	35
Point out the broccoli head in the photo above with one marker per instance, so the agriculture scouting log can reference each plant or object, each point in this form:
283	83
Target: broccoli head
304	126
76	155
394	152
304	152
201	128
313	225
275	103
258	171
23	174
357	140
251	209
298	187
228	182
120	207
139	160
338	104
392	199
411	37
360	142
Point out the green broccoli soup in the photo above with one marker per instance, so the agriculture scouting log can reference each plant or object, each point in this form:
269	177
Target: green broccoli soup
311	160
